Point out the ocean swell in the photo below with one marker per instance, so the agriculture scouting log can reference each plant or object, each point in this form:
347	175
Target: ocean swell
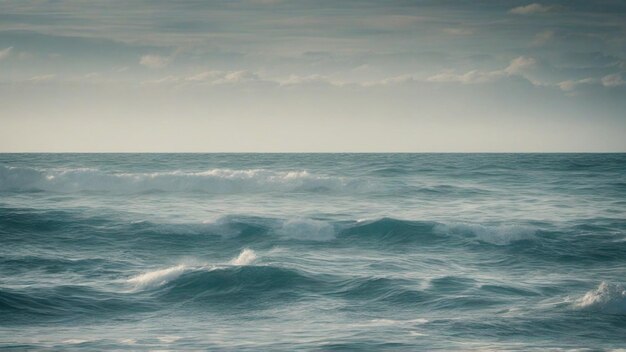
219	180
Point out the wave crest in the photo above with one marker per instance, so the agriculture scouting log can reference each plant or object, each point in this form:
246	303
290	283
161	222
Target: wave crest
219	181
156	278
607	298
246	257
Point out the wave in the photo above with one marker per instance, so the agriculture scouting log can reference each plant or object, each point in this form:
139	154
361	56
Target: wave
307	229
246	257
384	231
390	231
158	277
161	277
571	244
41	305
492	234
219	180
607	298
259	285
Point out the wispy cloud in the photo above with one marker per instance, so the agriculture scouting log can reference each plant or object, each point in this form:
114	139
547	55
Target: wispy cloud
458	31
470	77
520	65
213	77
571	85
542	38
530	9
4	53
517	67
614	80
154	61
314	79
43	78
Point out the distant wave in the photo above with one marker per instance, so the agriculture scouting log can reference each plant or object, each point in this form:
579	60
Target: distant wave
384	231
573	243
218	180
394	230
387	231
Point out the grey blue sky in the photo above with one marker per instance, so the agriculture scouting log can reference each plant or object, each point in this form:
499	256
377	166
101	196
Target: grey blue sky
295	75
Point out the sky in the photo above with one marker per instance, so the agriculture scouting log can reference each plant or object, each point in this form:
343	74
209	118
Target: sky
312	76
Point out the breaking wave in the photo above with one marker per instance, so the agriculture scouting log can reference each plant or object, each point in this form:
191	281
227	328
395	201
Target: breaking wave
161	277
607	298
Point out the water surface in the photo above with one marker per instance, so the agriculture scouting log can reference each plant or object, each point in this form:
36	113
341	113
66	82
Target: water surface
313	251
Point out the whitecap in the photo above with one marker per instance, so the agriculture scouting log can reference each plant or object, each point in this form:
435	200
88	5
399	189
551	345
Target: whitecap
246	257
74	341
607	298
158	277
169	339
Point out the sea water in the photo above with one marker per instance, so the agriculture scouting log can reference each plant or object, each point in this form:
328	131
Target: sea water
313	251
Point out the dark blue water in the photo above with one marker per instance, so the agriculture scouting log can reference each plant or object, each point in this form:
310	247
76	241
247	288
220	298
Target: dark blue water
313	251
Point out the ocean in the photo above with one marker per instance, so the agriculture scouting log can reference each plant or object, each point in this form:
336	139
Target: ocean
319	252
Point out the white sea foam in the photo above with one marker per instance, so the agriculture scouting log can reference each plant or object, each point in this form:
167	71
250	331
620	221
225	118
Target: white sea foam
494	234
168	339
74	341
218	180
419	321
607	298
158	277
307	229
246	257
127	341
387	322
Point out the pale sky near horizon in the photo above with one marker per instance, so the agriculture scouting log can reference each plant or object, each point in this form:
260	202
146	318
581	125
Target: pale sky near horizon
312	76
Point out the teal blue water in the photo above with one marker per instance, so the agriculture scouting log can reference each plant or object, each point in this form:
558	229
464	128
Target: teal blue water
313	251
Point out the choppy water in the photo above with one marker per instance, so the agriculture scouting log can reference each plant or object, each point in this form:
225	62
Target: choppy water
313	251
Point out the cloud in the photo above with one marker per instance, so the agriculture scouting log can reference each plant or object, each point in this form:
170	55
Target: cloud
154	61
309	80
4	53
237	77
614	80
210	78
205	76
542	38
530	9
609	81
471	77
224	77
517	67
458	31
43	78
520	65
570	85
